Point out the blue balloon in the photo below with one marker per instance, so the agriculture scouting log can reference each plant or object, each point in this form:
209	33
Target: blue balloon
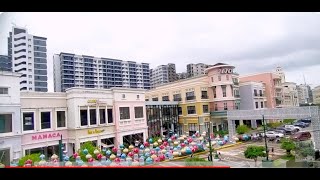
193	136
42	156
186	142
123	156
167	154
108	152
142	146
175	149
147	154
171	148
150	140
149	160
66	158
85	151
188	150
179	147
104	149
121	146
169	140
176	135
157	149
108	162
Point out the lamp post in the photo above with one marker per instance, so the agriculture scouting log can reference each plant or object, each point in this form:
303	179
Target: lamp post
60	150
265	137
210	147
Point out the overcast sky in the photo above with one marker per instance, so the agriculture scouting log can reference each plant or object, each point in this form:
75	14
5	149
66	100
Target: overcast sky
253	42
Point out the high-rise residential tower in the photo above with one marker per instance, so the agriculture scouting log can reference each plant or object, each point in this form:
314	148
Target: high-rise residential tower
196	69
28	54
71	70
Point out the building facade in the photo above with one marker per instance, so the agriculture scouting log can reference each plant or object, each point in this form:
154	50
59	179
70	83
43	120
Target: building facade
194	70
203	100
273	87
252	96
316	95
5	63
162	118
304	94
28	55
10	124
106	117
290	94
72	70
172	74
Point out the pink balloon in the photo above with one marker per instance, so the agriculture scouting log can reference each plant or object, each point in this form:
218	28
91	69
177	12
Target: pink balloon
114	150
130	154
152	152
99	156
75	155
90	160
146	144
183	145
162	147
165	143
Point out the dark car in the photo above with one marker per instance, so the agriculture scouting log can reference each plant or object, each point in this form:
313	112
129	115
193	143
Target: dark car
307	120
301	136
300	124
282	131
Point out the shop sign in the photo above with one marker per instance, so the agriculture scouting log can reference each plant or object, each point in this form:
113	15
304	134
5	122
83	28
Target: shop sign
95	131
45	136
225	71
92	101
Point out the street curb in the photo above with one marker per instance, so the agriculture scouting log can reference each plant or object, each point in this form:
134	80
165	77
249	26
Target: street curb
221	147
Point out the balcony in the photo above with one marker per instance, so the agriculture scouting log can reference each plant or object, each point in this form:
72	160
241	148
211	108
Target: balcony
236	83
237	95
189	98
222	110
204	97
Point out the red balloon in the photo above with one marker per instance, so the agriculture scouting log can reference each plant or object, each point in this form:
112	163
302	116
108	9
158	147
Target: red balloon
157	159
189	140
146	144
75	155
130	154
136	150
193	150
162	157
161	147
99	156
183	145
114	150
90	160
117	160
165	143
29	161
173	137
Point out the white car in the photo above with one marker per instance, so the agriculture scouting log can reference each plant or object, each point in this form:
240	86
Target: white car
292	127
273	134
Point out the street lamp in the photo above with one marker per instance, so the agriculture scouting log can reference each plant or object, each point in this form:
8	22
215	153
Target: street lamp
60	150
265	137
210	147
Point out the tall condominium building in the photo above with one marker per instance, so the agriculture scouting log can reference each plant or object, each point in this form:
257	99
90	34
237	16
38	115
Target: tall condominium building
159	75
273	87
172	75
5	63
281	74
196	69
304	94
290	94
72	70
28	55
316	95
163	74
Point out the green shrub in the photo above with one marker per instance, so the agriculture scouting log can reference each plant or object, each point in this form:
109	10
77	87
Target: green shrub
288	145
242	129
197	161
274	125
221	132
33	157
288	121
90	147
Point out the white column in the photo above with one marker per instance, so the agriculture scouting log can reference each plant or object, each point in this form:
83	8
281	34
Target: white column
98	115
106	114
88	115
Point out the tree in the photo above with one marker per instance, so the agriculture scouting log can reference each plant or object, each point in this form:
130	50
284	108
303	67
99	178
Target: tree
253	152
33	157
288	145
90	147
242	129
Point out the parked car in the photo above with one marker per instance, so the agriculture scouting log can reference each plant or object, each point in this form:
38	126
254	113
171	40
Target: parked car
301	136
282	131
306	122
300	124
290	131
293	127
273	134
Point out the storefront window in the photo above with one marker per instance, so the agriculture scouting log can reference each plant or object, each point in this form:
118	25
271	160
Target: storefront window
83	117
93	117
108	143
102	114
61	119
5	156
5	123
28	121
48	151
45	120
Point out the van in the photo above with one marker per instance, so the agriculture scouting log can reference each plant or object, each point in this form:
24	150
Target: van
301	136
